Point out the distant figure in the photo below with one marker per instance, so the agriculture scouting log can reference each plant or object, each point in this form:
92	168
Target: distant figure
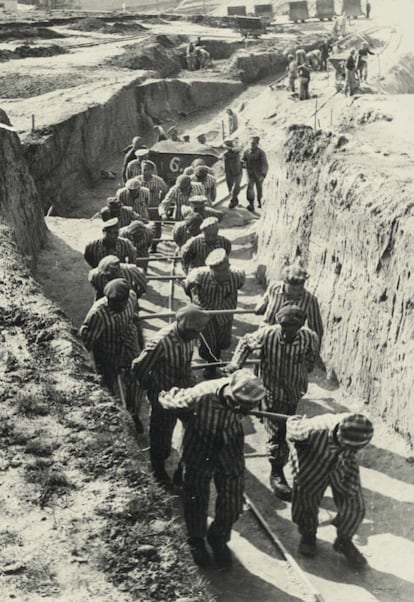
362	65
133	168
255	163
351	83
190	57
172	133
203	58
342	24
304	79
292	72
368	10
325	49
300	56
232	121
160	133
313	59
137	142
202	138
186	138
233	170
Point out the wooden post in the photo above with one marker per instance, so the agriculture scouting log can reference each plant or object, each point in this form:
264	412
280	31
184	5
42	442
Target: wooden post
33	123
316	113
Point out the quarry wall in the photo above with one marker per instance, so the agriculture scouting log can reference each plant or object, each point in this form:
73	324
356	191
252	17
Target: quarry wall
20	206
355	233
67	156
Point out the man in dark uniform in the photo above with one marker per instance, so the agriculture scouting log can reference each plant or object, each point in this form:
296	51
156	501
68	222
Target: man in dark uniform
255	162
213	448
233	170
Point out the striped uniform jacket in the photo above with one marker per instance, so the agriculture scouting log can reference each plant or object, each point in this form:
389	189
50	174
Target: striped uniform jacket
133	275
140	240
166	361
180	234
126	216
211	421
209	187
112	336
209	293
139	204
276	297
157	189
175	199
97	249
316	456
133	169
283	366
195	250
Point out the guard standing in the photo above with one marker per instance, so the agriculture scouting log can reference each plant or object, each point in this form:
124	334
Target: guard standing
255	162
233	170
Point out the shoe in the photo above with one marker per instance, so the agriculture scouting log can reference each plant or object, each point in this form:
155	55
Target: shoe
232	204
221	552
161	475
279	485
259	204
307	545
350	551
199	552
250	208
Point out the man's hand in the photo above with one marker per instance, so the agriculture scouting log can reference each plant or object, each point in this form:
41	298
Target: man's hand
230	368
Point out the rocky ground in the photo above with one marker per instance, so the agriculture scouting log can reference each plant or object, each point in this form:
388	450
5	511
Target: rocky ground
74	474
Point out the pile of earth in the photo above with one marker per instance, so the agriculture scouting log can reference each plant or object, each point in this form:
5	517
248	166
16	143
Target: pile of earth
16	85
24	33
163	55
96	24
26	51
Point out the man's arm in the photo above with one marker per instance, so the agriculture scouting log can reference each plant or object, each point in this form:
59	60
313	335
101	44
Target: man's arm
166	203
297	429
312	350
185	399
315	319
144	363
264	163
187	254
213	189
91	329
262	304
245	346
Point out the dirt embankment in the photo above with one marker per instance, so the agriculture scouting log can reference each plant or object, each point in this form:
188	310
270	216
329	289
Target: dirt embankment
82	518
19	202
353	224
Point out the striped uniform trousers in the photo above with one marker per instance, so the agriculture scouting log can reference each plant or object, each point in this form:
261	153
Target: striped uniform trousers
98	249
205	291
317	461
165	362
212	449
275	298
138	203
195	250
284	370
157	191
113	339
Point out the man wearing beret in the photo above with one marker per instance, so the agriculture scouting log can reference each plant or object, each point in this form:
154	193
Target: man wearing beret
291	291
287	353
134	168
213	449
208	182
110	244
141	236
255	162
110	268
178	196
137	143
198	204
215	286
110	332
195	250
165	362
323	453
157	191
115	208
135	196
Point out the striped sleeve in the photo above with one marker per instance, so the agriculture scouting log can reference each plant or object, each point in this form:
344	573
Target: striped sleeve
144	363
192	281
312	348
187	253
90	254
262	304
169	200
92	328
315	318
250	342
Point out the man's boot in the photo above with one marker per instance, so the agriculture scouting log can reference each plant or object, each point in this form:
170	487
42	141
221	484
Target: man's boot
278	483
221	551
307	544
160	474
344	546
250	207
199	552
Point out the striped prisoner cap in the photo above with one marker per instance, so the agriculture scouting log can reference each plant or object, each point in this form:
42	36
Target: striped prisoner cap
355	430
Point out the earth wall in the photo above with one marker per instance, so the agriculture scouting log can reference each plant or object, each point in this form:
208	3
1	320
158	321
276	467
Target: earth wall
353	226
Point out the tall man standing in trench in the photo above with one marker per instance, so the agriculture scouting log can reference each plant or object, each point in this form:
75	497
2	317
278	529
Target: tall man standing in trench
255	162
287	353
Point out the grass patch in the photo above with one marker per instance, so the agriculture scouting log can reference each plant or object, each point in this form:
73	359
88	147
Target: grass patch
31	403
40	447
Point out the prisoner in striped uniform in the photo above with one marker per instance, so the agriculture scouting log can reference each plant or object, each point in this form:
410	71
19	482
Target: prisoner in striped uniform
323	453
110	268
165	362
213	449
134	167
109	331
141	236
135	196
115	208
110	244
208	182
195	250
198	204
186	229
137	142
287	353
178	196
157	190
291	291
215	286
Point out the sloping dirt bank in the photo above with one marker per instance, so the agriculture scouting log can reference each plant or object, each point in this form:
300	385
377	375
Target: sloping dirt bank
19	202
351	219
81	517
